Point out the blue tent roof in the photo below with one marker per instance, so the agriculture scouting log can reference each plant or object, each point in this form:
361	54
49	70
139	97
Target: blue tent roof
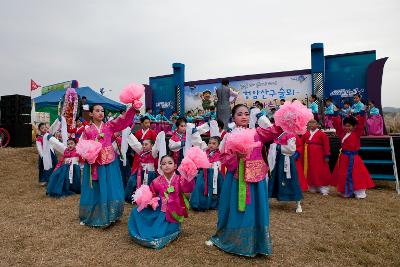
52	99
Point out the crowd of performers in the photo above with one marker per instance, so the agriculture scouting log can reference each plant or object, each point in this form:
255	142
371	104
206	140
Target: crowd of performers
259	156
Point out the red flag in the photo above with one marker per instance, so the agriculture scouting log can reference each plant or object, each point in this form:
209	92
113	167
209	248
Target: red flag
34	85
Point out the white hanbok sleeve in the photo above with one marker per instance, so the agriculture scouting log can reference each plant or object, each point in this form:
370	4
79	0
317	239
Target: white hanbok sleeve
134	143
174	146
57	145
55	126
290	148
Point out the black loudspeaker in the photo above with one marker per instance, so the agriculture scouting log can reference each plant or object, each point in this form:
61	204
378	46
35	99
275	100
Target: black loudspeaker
20	134
15	109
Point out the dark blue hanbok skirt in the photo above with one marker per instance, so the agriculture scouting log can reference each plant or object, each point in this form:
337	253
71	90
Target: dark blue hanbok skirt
243	233
59	184
201	202
102	203
45	175
280	187
149	228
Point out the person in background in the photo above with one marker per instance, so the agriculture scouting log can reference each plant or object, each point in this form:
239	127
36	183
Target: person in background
346	110
260	106
149	114
84	108
174	116
211	115
358	106
314	106
221	129
47	157
161	116
137	117
189	116
374	121
225	96
272	113
330	110
145	132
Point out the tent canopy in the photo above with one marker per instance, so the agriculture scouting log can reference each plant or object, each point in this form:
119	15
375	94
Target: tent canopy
52	99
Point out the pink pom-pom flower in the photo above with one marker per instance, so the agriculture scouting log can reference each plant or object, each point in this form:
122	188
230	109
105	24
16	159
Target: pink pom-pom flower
198	156
293	117
144	197
241	140
194	159
188	169
132	93
88	150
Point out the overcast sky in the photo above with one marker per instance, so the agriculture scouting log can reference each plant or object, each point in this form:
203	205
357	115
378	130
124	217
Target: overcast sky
111	43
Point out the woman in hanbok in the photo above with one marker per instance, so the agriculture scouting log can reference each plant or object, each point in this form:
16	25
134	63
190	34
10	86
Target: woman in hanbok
350	175
102	191
243	210
316	159
66	177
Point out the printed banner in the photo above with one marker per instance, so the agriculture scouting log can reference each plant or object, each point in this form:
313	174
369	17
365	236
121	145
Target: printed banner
268	91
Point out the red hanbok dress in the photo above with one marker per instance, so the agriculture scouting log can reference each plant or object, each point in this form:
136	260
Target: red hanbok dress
316	149
350	173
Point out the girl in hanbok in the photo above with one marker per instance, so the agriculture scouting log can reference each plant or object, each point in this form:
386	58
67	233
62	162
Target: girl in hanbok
243	210
350	175
346	110
177	140
374	121
47	158
330	110
144	165
208	181
66	178
102	192
316	159
158	225
284	184
358	106
314	106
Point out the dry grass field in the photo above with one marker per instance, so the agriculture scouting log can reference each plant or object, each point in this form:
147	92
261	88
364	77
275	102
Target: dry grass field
40	231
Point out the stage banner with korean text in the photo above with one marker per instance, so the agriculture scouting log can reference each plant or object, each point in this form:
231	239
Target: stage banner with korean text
266	90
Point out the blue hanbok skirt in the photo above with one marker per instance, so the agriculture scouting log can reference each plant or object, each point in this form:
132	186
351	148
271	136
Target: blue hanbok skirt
102	203
45	175
280	187
201	202
149	228
243	233
59	184
131	185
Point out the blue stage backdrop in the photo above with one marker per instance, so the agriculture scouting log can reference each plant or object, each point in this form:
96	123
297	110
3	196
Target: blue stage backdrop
163	94
346	75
